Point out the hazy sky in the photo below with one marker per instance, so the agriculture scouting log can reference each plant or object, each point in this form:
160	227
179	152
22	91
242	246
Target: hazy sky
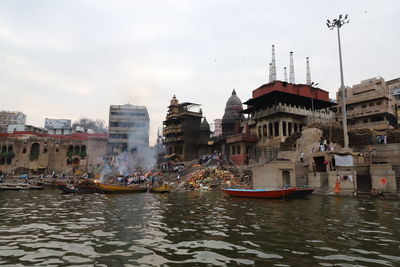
72	59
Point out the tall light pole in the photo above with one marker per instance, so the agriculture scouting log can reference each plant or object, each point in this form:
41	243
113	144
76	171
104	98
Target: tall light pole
338	23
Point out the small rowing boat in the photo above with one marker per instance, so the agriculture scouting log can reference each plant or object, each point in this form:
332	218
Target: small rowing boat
165	188
259	193
118	189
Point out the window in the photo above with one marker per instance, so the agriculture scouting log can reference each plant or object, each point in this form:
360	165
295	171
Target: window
45	150
24	150
365	120
238	149
371	104
364	106
379	103
233	150
284	128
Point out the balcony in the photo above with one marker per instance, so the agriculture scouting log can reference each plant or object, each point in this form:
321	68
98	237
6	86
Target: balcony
365	97
363	112
371	125
172	129
173	139
281	108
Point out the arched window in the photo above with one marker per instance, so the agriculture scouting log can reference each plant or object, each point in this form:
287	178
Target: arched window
10	148
4	149
77	150
35	151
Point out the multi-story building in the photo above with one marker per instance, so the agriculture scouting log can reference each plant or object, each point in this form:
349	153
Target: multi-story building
11	117
128	129
58	126
394	89
279	109
185	136
369	104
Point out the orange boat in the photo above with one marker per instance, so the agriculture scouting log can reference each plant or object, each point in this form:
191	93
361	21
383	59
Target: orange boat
165	188
117	189
259	193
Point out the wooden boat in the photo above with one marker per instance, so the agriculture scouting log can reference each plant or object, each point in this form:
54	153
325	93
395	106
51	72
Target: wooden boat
165	188
118	189
259	193
83	187
301	192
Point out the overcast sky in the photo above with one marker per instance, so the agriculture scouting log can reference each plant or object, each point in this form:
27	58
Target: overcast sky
72	59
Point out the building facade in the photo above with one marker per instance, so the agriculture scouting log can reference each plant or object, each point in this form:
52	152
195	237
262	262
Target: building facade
128	129
369	104
182	131
279	109
394	89
11	118
58	126
25	128
33	151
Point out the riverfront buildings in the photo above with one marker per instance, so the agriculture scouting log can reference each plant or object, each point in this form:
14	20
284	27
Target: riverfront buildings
370	104
28	150
128	129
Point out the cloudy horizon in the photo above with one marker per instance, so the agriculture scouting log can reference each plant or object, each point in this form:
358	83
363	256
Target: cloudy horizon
73	59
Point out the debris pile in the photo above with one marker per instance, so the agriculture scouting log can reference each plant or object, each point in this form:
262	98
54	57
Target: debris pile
359	137
290	142
393	136
332	130
214	179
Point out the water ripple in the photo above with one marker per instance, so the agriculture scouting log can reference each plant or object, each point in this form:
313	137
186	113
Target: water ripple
47	228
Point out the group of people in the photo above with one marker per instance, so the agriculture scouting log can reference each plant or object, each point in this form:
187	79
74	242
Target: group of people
138	178
381	139
217	156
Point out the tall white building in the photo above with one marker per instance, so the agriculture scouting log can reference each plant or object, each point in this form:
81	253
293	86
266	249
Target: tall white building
128	129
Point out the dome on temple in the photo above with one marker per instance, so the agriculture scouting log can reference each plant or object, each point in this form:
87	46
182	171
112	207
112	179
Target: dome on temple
204	126
233	109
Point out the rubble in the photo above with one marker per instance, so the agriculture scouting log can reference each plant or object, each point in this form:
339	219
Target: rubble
207	179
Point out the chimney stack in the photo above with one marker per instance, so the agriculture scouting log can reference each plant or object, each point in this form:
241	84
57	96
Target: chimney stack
308	72
270	72
273	67
285	74
291	75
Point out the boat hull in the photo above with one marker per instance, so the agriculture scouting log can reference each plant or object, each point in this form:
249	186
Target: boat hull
258	193
301	192
161	189
116	189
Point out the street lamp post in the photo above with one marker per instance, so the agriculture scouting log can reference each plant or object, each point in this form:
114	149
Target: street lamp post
338	23
313	87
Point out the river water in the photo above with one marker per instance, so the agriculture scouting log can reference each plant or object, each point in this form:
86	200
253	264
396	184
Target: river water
48	228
